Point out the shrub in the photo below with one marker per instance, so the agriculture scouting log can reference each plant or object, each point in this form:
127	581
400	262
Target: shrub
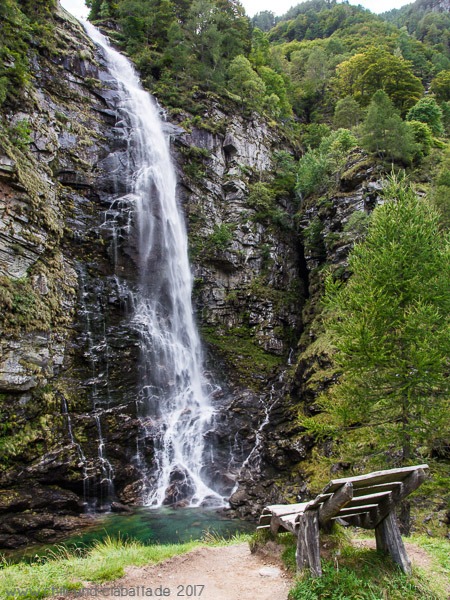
423	137
427	111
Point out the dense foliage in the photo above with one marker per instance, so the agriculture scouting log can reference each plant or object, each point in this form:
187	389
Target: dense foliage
295	67
426	21
23	24
391	330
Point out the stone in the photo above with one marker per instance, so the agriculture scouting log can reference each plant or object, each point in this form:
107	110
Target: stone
11	542
239	498
118	507
180	489
270	572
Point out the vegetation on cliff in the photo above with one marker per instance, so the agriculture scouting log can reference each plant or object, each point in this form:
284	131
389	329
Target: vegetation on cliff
23	25
390	329
316	55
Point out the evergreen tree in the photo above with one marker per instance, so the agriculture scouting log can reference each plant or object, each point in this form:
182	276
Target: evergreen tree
384	132
347	113
390	327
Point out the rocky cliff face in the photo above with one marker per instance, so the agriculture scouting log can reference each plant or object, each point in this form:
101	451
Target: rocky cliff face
65	351
329	228
249	292
69	354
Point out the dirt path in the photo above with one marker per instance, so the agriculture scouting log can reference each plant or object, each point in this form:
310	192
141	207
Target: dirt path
227	573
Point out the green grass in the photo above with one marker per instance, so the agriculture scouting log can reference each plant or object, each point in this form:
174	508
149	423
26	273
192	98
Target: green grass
362	574
71	569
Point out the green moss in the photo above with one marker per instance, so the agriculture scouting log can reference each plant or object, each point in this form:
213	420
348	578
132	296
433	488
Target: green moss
364	163
262	198
29	430
214	126
26	309
221	238
313	238
43	209
194	166
241	351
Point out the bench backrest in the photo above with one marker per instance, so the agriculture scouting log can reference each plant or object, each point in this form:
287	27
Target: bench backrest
365	500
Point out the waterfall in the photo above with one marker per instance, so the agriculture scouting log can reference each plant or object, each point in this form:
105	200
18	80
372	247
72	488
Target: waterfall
173	404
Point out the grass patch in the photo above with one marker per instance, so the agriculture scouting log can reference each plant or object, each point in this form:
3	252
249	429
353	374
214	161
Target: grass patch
70	569
364	574
437	548
240	348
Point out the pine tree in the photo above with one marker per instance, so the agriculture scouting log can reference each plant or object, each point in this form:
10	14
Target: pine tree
390	327
385	133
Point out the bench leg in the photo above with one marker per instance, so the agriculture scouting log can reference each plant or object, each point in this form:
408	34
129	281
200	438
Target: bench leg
308	545
389	540
274	525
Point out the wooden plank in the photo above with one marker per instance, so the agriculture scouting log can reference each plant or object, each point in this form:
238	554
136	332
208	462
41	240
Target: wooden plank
390	541
290	519
387	504
318	500
265	519
285	509
354	510
384	487
369	499
335	503
354	520
285	523
274	525
263	527
364	519
308	545
375	478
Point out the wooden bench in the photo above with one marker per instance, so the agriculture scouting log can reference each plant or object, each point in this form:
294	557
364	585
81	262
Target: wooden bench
366	501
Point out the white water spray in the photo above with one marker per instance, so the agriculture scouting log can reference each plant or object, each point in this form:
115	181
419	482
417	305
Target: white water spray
173	406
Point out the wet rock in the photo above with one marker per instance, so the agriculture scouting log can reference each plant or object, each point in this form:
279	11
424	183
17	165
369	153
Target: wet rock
132	493
11	542
36	497
45	535
117	507
239	498
180	490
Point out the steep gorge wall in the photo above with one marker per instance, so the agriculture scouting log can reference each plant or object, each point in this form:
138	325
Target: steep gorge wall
69	352
249	292
64	377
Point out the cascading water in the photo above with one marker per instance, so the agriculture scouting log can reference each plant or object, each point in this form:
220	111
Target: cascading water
173	404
